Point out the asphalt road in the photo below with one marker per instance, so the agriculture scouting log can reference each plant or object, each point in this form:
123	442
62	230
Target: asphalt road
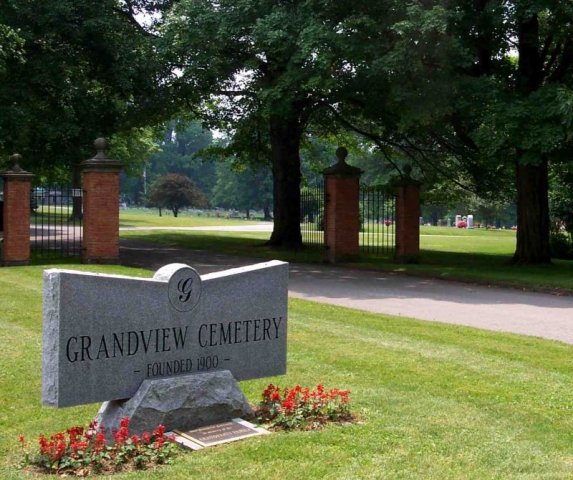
492	308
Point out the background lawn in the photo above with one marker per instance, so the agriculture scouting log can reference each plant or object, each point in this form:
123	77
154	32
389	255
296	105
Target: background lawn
143	217
476	255
435	401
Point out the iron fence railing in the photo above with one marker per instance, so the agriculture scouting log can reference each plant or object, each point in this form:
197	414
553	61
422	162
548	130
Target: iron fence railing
377	219
312	214
56	228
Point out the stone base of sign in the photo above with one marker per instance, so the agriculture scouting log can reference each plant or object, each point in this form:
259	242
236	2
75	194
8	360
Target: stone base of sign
179	403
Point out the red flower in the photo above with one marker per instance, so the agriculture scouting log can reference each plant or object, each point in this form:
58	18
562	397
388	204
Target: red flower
159	431
100	442
288	405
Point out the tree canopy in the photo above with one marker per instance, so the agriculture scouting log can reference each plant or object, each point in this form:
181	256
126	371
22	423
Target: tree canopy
174	191
267	67
479	93
71	71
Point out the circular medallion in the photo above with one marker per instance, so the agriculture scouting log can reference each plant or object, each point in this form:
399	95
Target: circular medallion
184	289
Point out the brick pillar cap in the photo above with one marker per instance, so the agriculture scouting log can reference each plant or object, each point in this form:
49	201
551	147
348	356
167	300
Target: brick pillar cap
16	171
100	162
341	168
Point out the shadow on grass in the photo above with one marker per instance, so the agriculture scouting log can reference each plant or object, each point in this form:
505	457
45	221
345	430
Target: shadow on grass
472	267
244	244
41	258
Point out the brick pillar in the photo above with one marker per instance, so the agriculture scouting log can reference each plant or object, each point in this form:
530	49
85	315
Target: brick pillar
16	213
407	221
100	179
341	211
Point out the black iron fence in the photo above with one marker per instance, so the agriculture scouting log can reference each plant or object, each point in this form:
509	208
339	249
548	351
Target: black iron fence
56	229
312	214
377	219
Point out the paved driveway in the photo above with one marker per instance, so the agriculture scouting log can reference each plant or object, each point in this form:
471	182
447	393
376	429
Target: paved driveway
501	309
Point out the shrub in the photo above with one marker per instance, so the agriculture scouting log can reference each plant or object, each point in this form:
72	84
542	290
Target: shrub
301	408
79	451
561	246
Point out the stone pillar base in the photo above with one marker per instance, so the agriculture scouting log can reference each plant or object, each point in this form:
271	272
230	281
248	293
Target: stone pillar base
183	403
333	257
15	263
101	261
406	259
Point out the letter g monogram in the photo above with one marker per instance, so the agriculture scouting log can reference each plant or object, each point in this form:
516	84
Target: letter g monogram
185	287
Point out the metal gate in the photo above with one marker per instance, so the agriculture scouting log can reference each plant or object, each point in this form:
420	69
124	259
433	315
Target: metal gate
377	220
377	205
312	214
56	229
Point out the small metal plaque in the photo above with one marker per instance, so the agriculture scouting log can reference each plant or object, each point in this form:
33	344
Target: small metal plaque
225	432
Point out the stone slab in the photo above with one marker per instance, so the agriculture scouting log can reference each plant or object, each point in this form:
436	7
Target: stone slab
103	335
184	402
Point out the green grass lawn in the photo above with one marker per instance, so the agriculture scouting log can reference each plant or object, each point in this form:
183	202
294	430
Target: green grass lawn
139	217
434	401
456	254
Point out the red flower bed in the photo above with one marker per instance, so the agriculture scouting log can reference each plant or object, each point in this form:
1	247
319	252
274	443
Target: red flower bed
80	451
302	408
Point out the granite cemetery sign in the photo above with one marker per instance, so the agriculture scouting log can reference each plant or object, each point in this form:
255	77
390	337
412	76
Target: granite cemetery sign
106	334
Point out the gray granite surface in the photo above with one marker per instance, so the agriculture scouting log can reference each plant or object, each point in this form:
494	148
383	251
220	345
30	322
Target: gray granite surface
105	334
180	403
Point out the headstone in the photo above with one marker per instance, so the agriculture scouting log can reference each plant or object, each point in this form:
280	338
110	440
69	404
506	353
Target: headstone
105	334
470	221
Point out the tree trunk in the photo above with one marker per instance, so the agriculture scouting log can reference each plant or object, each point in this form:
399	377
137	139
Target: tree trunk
267	213
248	213
532	214
532	180
286	133
175	211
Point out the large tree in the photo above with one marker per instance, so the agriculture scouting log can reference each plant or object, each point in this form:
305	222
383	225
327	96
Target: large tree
475	91
523	51
77	69
267	66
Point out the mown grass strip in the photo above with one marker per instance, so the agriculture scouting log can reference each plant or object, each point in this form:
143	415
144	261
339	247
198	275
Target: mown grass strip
435	401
